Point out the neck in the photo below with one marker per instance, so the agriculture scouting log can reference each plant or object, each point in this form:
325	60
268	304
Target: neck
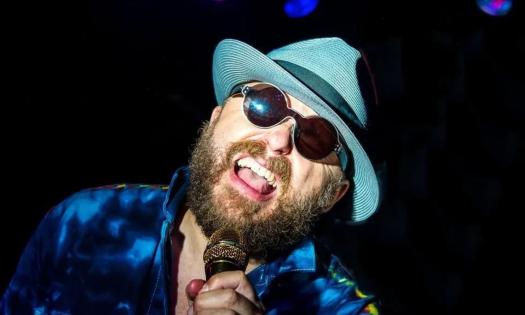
197	241
194	238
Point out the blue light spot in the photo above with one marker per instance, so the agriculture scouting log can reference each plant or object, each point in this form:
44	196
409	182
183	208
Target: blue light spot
329	296
55	295
86	213
62	236
260	108
300	8
495	7
83	208
123	306
114	227
141	249
147	195
38	310
127	198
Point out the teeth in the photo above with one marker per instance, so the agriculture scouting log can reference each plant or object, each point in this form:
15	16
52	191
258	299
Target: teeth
258	169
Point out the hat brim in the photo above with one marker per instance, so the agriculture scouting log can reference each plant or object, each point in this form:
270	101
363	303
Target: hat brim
235	62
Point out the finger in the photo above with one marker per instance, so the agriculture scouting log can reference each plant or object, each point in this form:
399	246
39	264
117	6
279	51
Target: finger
236	280
193	287
225	299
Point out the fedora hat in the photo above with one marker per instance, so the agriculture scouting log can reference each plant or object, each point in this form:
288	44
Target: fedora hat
321	73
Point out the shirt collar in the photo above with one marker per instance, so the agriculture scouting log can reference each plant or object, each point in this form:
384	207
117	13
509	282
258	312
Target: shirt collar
301	259
176	192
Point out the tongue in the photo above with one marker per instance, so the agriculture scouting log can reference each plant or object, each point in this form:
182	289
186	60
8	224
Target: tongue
255	181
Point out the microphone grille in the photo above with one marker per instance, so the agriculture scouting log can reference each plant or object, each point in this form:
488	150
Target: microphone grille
226	234
226	244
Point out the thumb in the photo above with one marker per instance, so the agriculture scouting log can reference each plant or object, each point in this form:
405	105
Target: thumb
193	288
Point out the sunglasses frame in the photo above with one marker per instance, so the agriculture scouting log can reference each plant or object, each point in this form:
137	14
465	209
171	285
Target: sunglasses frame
245	88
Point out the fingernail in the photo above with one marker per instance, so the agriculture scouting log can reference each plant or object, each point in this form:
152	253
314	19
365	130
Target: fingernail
204	288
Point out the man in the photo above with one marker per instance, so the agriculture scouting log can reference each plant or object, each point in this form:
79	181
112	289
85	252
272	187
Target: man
276	155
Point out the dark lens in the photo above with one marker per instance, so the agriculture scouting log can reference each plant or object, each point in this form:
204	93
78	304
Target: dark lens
264	105
314	137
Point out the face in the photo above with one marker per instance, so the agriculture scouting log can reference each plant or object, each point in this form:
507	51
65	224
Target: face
254	180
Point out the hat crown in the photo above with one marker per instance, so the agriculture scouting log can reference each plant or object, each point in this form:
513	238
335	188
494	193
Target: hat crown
333	61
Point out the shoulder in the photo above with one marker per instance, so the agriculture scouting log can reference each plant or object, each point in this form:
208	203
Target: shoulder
111	217
111	201
124	194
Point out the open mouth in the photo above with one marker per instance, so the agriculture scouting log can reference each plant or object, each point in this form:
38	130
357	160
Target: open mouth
253	179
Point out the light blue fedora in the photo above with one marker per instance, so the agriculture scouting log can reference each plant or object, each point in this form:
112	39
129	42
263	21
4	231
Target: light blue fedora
321	73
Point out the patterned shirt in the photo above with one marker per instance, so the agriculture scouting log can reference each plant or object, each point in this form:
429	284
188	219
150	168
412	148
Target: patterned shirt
106	251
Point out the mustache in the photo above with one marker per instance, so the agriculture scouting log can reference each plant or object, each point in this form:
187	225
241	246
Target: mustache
278	165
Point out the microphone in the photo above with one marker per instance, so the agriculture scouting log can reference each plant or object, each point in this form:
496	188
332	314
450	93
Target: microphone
225	252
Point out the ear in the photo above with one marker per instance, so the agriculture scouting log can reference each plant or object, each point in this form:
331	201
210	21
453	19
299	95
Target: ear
339	193
215	114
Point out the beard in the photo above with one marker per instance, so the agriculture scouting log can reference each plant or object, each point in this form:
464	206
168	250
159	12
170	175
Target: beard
267	229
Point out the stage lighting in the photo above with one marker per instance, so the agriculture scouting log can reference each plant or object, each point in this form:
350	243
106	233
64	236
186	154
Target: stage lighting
495	7
300	8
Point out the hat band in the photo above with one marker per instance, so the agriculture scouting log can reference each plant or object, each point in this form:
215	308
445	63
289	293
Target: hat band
324	91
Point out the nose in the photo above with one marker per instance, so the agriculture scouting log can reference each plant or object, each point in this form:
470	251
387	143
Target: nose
279	138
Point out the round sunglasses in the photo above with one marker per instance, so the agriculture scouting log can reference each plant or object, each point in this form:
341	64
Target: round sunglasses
266	106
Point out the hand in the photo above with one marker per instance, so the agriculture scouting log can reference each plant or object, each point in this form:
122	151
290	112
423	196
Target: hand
227	292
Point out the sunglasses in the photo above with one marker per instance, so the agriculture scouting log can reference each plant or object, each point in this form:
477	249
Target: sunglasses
266	106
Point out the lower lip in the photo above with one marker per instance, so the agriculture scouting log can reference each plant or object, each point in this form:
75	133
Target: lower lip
247	190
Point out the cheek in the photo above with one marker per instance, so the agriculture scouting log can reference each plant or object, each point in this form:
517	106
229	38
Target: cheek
305	175
232	128
308	176
224	130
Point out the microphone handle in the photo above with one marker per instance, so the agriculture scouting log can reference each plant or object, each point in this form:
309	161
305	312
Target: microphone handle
220	265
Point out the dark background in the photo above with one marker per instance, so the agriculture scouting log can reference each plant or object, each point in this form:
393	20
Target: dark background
112	91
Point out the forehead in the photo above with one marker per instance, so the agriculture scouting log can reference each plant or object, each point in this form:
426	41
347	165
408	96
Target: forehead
295	103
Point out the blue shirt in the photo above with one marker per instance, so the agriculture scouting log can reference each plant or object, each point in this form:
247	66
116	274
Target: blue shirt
106	251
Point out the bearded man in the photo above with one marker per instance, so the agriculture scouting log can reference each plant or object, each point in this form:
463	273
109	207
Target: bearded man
277	153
